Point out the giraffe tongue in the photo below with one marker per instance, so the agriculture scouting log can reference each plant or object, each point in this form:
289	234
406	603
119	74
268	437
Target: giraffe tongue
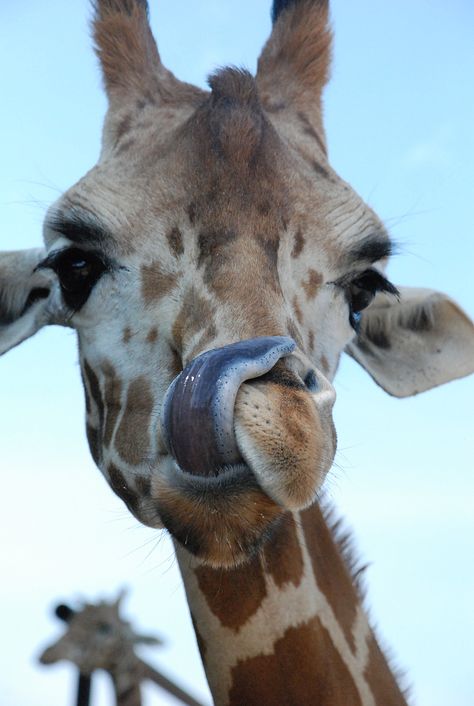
198	409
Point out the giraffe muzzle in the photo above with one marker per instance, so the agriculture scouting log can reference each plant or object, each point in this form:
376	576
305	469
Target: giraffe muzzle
198	409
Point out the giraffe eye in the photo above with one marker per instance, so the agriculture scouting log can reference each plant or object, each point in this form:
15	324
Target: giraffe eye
361	292
104	628
77	271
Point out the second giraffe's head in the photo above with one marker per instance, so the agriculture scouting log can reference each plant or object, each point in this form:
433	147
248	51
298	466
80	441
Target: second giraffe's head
215	267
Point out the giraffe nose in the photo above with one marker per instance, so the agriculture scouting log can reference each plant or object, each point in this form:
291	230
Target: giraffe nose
198	408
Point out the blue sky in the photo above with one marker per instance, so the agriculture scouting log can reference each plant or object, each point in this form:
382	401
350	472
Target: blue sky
399	116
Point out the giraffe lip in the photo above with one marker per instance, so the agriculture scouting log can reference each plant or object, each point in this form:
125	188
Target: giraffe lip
198	409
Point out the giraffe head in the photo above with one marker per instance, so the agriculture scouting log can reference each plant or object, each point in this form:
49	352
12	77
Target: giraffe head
96	637
215	268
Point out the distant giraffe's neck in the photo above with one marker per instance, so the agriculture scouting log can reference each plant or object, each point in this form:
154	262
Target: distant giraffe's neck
288	628
126	680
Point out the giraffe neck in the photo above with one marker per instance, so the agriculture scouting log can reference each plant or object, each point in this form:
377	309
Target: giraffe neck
288	627
126	683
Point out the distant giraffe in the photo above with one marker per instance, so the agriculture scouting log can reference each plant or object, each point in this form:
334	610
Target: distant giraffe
215	268
97	637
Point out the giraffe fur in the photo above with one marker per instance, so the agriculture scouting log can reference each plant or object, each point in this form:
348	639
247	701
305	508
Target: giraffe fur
212	218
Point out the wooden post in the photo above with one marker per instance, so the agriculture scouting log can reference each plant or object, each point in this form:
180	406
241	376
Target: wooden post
84	684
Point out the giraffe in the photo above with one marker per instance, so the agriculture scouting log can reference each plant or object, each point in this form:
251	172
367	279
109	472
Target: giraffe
215	268
97	637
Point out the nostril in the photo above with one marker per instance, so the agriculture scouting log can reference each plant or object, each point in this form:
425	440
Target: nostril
311	381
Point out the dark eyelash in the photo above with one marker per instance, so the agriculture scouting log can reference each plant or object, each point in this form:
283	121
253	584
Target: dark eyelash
54	257
371	280
374	281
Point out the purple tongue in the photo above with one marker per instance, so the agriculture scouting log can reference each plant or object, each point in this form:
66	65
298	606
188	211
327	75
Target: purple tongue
198	408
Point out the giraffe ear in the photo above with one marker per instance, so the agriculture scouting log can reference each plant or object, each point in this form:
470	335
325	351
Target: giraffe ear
129	57
29	298
411	345
294	65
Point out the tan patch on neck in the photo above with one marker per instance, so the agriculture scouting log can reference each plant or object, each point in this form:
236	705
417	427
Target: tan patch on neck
175	240
266	679
312	284
156	282
330	572
282	556
228	593
132	439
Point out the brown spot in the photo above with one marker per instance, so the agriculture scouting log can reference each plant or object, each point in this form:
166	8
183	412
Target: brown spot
305	669
299	244
282	554
93	441
311	341
330	571
127	334
143	485
156	282
152	335
231	595
324	364
381	681
213	250
132	439
112	394
175	240
92	383
120	487
297	310
312	284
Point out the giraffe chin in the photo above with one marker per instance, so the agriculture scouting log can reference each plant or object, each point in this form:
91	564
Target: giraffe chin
223	520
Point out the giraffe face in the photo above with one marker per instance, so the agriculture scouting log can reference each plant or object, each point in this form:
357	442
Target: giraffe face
214	224
194	248
96	637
